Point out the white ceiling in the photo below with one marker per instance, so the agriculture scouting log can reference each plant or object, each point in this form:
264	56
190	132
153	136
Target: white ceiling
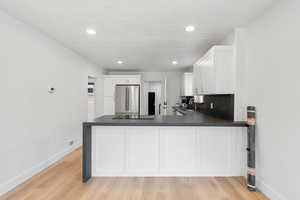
145	34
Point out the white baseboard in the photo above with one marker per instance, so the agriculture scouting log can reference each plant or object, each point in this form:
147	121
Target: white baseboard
21	178
268	190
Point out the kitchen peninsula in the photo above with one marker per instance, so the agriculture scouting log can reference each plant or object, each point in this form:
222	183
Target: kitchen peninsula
194	144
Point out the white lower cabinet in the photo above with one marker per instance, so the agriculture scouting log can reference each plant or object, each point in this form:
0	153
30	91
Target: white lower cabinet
142	150
108	151
178	150
168	151
216	155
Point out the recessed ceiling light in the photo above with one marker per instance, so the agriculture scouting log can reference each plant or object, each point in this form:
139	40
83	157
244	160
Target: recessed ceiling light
174	62
91	31
189	28
120	62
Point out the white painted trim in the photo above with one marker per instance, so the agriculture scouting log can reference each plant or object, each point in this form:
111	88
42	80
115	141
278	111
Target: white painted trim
268	190
24	176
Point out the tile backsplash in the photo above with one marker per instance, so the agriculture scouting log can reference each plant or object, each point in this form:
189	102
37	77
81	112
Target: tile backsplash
221	105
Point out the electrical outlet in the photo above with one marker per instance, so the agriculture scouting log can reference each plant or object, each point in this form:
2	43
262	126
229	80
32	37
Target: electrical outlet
71	142
211	106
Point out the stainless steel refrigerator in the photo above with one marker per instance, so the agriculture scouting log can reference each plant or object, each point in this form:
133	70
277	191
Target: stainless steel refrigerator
127	99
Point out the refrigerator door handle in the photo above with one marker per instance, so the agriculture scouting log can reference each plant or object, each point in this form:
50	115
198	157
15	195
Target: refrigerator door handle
127	99
159	108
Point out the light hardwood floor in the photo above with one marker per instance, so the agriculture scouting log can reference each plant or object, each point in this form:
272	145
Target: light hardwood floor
62	181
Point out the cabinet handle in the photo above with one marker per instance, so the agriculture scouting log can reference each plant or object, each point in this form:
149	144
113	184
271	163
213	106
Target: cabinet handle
159	108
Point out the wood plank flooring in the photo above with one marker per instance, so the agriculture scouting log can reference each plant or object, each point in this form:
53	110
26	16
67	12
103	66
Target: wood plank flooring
62	181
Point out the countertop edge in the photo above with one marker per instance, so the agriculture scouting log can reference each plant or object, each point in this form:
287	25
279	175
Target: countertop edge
217	124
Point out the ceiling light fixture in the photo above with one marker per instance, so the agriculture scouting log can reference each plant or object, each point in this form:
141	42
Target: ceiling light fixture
120	62
190	28
91	31
174	62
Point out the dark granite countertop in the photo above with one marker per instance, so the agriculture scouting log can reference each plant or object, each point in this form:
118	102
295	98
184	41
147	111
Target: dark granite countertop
190	118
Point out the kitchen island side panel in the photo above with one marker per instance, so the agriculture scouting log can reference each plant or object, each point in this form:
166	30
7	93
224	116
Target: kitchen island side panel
168	151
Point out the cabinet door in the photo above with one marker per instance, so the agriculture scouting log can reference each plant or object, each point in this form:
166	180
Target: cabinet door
197	80
109	87
214	149
188	84
225	71
210	80
178	150
123	81
134	80
108	150
109	106
142	144
204	79
216	69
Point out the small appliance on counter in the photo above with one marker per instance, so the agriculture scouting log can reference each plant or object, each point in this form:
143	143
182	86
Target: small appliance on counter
187	102
199	99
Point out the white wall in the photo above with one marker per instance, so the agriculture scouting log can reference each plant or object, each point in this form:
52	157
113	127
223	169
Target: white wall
173	84
238	41
36	126
271	74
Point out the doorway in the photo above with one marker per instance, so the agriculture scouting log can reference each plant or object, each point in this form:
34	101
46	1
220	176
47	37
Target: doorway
151	103
152	96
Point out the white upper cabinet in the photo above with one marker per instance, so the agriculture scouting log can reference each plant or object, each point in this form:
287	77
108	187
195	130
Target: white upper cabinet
214	72
197	82
187	84
110	82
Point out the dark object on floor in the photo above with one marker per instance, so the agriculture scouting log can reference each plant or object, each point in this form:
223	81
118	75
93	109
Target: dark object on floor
251	121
